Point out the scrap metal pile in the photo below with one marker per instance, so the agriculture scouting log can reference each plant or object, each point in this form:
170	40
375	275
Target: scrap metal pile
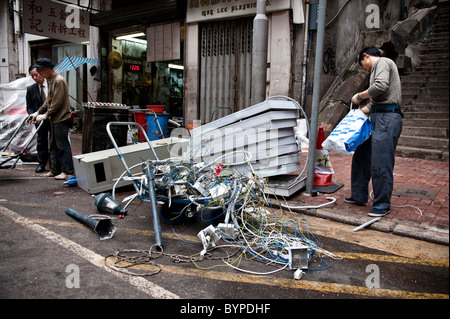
222	178
239	211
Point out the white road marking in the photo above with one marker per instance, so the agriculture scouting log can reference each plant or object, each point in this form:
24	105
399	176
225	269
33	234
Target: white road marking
140	283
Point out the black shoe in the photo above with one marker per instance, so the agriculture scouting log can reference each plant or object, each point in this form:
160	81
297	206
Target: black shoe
379	212
355	202
40	169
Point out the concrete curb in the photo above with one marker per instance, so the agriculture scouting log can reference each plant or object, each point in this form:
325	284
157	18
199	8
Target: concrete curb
387	225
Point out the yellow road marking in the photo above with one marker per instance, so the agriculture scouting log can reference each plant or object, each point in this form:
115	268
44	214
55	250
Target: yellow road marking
322	287
24	204
355	256
394	259
284	282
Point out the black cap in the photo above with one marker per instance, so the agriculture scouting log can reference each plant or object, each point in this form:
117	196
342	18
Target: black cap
43	63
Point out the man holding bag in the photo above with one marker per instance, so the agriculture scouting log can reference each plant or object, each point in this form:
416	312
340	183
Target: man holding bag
375	158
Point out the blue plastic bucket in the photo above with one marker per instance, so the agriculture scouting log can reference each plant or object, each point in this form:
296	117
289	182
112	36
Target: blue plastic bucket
153	131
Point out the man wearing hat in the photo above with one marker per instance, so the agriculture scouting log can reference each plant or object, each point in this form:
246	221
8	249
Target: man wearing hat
56	108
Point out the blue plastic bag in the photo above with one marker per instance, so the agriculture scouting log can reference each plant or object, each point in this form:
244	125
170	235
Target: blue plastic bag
351	132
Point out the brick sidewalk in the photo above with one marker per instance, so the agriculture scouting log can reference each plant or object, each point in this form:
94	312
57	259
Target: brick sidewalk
421	191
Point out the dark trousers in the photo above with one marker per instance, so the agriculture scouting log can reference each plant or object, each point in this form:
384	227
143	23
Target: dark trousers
42	143
375	159
60	149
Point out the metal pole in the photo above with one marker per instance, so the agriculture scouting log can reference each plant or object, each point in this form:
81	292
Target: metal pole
82	218
305	54
28	143
149	172
259	53
316	96
103	227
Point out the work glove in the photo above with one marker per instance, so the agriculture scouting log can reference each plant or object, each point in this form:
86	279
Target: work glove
356	99
40	117
32	117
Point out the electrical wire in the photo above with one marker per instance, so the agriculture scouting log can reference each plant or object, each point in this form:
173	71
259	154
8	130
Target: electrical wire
257	232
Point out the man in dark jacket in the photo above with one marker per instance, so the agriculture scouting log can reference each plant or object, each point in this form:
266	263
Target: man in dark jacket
35	97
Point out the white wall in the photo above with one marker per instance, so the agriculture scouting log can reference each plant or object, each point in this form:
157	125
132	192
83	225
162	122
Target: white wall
4	56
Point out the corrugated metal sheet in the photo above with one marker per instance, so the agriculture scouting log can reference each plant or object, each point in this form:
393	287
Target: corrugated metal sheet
225	74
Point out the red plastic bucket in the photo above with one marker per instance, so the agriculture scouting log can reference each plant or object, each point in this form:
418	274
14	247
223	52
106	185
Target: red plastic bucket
141	119
156	108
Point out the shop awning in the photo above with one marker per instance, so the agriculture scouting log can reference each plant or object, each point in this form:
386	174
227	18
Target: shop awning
69	63
145	13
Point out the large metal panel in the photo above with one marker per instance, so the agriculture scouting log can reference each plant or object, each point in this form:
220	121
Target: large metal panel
262	134
225	62
248	113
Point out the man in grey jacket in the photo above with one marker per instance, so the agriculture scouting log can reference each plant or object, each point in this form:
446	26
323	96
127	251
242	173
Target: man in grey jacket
375	158
56	108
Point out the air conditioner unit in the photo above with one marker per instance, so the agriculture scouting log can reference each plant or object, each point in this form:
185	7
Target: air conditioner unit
97	172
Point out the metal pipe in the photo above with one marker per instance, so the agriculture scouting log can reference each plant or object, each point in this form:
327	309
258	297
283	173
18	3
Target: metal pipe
104	228
17	156
149	172
14	134
305	55
259	53
316	96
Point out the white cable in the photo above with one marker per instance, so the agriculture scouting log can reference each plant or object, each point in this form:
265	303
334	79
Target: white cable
332	199
247	160
253	272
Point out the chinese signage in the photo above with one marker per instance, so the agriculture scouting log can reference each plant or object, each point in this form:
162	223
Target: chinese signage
163	42
203	10
56	20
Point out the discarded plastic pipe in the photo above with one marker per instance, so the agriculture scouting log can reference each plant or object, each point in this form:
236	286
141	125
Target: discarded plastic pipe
149	172
370	222
104	228
105	203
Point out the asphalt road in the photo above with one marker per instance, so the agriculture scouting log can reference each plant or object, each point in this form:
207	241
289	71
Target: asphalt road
46	254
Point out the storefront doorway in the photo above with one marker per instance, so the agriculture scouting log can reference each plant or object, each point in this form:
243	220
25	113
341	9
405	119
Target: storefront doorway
225	67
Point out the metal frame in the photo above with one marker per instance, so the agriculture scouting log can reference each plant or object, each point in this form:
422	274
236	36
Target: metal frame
149	172
17	156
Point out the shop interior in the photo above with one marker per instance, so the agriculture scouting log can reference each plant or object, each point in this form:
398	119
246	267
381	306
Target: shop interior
151	83
148	83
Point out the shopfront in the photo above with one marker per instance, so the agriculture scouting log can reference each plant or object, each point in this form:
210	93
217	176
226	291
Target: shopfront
149	71
193	57
219	36
142	53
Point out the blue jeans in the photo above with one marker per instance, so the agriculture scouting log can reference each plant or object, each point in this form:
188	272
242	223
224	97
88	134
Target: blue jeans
60	149
375	159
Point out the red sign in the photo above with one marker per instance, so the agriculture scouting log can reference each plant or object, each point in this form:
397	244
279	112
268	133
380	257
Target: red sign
133	67
56	20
